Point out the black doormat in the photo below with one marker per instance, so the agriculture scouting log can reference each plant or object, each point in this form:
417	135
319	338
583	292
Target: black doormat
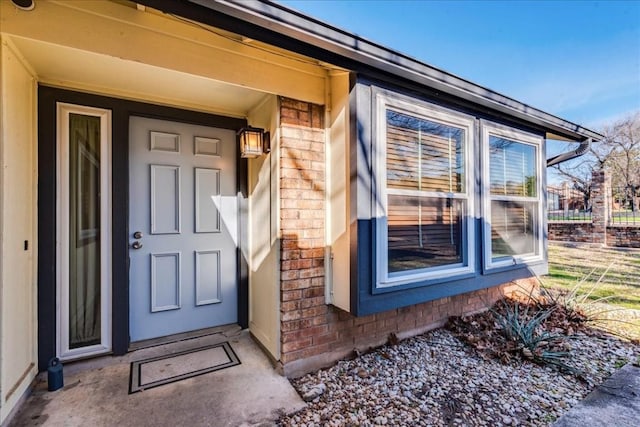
161	370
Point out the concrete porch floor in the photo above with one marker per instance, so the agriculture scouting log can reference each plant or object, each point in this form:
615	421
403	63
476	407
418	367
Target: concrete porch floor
95	392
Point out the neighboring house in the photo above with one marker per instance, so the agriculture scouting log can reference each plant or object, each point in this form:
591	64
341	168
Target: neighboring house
393	194
565	198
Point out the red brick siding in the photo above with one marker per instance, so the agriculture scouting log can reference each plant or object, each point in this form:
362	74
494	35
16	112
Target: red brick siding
623	236
302	214
309	327
571	232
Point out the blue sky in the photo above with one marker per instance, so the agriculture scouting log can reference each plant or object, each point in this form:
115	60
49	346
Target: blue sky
579	60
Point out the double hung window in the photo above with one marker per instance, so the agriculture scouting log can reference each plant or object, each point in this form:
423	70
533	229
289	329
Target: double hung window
512	191
425	193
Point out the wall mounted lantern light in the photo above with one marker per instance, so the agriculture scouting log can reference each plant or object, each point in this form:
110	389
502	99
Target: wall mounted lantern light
24	4
253	142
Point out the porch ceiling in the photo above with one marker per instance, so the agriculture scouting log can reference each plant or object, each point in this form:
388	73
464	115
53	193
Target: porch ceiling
77	69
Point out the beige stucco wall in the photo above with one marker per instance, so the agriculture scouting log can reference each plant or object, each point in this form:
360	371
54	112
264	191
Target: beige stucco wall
125	52
18	223
338	282
264	272
115	49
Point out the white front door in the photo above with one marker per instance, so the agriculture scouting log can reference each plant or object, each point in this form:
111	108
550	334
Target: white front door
183	214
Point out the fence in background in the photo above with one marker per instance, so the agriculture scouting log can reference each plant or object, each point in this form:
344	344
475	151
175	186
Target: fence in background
567	204
625	205
610	216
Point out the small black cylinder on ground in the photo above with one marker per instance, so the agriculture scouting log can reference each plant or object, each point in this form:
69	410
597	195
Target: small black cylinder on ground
54	374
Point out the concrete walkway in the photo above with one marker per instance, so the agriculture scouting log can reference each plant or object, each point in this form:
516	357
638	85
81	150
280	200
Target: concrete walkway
614	403
96	392
250	394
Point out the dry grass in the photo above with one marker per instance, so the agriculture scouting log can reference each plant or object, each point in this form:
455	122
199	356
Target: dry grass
612	287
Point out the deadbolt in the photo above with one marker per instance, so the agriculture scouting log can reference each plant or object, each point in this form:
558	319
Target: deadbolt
136	245
137	235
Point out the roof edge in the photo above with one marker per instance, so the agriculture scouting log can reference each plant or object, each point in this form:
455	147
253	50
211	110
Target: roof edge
298	26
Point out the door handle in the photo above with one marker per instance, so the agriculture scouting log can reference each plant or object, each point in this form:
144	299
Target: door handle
136	245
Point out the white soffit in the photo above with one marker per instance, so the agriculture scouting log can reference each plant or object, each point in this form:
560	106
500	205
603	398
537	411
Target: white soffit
68	67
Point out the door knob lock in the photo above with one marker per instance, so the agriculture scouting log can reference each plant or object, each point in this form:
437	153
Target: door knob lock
136	245
137	235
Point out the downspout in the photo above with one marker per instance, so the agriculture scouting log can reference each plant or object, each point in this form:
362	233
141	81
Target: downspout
582	148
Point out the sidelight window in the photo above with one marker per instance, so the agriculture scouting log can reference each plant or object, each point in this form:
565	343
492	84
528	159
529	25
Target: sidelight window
83	231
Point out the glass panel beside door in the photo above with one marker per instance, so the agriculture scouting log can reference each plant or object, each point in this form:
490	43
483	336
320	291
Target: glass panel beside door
84	240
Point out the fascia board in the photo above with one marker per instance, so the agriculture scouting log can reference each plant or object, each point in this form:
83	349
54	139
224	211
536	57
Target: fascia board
297	26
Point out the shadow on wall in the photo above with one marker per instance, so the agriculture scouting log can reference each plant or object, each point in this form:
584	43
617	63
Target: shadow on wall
314	334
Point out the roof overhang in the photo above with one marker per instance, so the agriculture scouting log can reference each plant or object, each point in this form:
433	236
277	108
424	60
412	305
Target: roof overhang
286	28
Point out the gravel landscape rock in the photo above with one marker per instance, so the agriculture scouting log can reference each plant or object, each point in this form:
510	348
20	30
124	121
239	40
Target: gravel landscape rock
436	380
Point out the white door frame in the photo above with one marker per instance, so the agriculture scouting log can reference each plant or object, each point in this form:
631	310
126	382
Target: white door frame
62	234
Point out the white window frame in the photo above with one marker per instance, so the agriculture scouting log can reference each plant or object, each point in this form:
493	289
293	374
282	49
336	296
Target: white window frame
489	129
63	350
413	107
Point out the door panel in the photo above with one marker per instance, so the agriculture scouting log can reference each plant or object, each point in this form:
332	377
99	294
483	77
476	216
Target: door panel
165	281
183	202
165	199
207	199
208	277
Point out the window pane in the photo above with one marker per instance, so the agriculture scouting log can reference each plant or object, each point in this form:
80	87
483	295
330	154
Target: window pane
424	155
513	228
424	232
84	230
513	168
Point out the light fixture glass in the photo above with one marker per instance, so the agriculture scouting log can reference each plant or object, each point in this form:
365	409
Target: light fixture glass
251	142
24	4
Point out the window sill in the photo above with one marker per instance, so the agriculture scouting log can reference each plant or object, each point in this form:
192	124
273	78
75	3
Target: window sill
369	301
513	264
419	281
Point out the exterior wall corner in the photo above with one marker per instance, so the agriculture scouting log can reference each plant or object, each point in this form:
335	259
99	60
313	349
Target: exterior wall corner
314	334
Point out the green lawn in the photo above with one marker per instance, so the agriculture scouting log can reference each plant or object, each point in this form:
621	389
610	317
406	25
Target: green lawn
618	273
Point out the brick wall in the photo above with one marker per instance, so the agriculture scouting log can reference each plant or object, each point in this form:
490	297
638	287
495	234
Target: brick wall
314	334
600	202
599	230
623	236
571	232
302	215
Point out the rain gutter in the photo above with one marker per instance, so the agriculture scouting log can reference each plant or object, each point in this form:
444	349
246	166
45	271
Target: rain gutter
582	148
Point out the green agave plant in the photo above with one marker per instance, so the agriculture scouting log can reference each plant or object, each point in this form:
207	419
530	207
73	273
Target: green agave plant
524	327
